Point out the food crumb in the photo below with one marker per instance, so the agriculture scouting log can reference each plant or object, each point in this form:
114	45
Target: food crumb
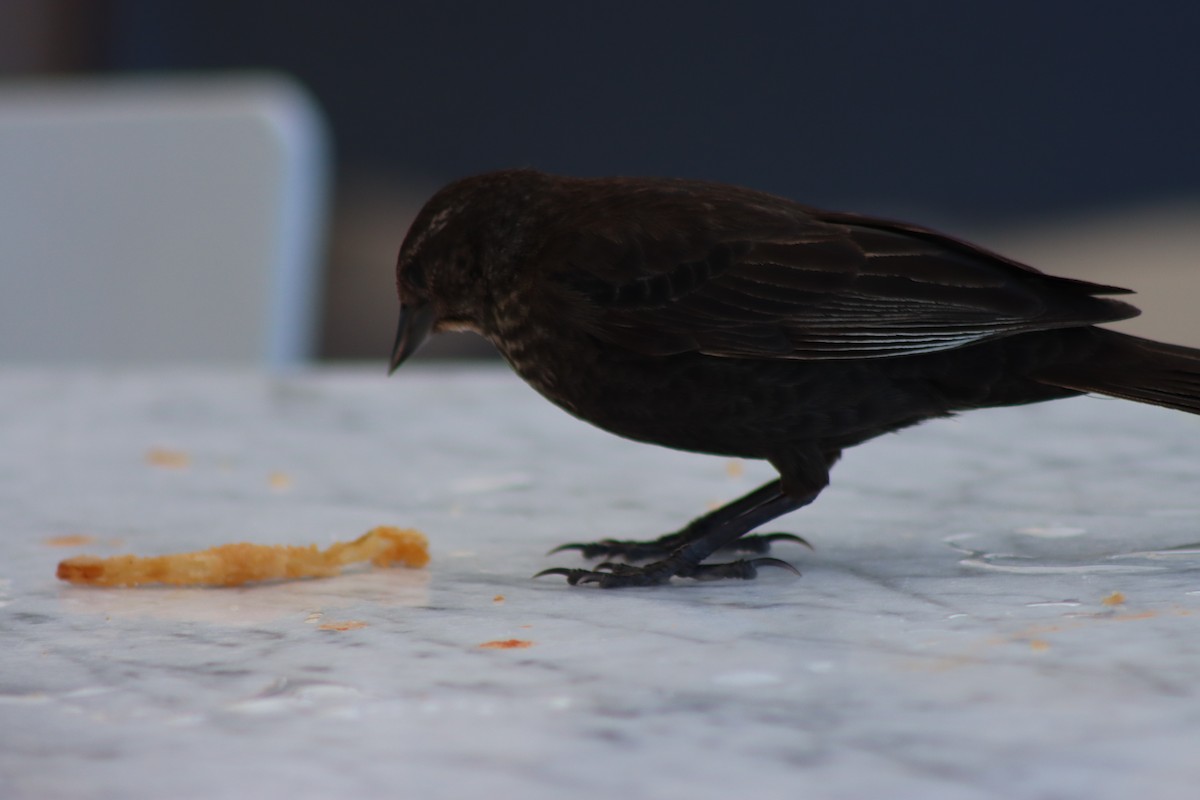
279	480
734	468
1114	599
347	625
498	598
70	540
507	644
168	459
1039	645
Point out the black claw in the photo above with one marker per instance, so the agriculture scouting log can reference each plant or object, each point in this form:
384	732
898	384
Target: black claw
775	562
787	537
611	574
761	543
583	547
662	547
573	576
635	551
617	577
742	569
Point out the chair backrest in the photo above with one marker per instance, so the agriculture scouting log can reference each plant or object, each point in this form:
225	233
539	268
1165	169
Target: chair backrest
160	219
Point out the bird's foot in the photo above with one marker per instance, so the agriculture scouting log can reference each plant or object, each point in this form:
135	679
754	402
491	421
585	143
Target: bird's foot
612	575
761	542
662	547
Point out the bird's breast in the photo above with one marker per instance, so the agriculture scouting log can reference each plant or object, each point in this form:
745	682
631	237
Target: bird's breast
688	402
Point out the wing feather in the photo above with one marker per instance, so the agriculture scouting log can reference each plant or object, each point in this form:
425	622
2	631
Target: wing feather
804	285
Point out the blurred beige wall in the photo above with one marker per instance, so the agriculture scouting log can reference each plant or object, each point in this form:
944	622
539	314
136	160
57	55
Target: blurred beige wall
38	36
371	215
1152	249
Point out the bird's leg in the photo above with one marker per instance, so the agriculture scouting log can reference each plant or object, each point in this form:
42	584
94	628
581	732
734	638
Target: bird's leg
699	540
633	550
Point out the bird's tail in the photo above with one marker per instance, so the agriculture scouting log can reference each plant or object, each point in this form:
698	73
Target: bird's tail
1133	369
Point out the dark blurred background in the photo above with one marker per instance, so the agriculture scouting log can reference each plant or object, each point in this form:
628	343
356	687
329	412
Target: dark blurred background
969	116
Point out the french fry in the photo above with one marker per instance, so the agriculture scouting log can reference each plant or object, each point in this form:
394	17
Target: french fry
237	564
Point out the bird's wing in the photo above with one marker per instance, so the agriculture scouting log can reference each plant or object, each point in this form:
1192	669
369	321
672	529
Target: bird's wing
833	286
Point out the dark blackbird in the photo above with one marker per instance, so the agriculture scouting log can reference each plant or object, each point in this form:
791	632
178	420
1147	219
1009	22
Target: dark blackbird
722	320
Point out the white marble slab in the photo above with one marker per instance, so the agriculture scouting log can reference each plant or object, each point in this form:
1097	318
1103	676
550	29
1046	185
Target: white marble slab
949	638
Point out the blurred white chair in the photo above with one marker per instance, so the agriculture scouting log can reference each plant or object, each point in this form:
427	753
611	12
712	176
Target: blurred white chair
165	219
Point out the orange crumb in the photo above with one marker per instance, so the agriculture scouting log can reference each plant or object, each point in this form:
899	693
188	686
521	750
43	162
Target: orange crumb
507	644
348	625
70	540
734	468
498	598
1114	599
1039	645
168	459
279	480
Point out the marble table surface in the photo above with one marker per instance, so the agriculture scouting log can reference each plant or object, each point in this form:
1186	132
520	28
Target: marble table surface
1005	605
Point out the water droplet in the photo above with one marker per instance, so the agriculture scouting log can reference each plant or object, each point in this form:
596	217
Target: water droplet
1028	566
1052	531
1033	556
1178	551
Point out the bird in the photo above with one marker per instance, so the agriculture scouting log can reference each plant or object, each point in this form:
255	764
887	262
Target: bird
718	319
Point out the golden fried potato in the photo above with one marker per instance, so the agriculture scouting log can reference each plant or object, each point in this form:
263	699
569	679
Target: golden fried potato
237	564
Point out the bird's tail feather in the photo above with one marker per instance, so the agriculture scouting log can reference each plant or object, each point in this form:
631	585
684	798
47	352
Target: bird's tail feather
1134	369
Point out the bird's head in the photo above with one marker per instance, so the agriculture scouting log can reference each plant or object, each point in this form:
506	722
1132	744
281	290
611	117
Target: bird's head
448	267
437	280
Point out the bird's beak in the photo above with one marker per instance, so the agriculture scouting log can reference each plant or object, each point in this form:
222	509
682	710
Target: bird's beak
416	322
